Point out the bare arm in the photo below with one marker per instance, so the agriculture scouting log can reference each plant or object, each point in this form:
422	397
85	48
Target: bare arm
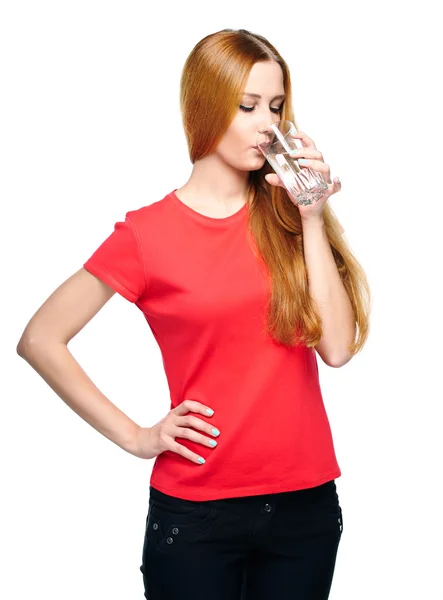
44	345
329	295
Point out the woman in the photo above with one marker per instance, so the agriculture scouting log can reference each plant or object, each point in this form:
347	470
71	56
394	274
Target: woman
240	287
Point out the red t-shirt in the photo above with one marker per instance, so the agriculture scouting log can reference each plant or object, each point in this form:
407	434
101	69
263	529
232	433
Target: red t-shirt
203	293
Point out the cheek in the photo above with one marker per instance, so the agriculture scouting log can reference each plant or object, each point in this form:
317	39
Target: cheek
235	147
234	138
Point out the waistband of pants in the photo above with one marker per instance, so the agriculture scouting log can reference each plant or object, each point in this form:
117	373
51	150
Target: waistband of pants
293	498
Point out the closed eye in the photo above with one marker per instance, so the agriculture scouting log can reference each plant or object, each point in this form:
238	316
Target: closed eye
251	108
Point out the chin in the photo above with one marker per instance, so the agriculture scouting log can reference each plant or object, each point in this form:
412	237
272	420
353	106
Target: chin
259	164
258	158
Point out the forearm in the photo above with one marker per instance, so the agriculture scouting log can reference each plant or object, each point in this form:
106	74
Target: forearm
329	295
57	366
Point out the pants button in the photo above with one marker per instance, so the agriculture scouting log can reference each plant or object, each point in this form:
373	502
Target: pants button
268	508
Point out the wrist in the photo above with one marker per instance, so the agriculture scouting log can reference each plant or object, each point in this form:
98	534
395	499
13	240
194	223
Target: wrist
313	221
130	442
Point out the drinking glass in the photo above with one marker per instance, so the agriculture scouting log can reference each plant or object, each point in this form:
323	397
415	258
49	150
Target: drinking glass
303	184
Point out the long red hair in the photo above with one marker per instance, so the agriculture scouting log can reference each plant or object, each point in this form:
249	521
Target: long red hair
213	79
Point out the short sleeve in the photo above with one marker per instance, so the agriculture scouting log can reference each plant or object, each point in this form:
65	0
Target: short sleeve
118	261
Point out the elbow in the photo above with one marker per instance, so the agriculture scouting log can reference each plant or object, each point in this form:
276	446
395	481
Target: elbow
25	346
333	357
30	347
339	361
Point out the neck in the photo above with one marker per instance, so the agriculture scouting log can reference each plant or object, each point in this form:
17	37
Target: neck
213	181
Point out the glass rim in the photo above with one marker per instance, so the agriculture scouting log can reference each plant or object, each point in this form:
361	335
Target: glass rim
278	137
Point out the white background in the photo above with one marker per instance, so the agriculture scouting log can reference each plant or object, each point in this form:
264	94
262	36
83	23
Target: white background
87	88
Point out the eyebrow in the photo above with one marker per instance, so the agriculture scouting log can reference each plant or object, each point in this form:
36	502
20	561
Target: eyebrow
258	95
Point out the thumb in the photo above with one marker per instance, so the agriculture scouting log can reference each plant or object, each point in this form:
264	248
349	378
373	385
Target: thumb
273	179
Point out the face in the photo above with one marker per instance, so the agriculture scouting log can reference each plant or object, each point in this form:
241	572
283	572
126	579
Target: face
254	115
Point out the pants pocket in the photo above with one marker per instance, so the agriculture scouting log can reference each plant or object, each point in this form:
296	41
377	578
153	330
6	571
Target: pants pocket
172	529
336	514
331	507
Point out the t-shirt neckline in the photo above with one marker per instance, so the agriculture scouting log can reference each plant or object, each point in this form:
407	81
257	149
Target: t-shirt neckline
220	221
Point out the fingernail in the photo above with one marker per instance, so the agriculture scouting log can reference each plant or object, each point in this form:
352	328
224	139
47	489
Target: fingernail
213	442
302	161
209	411
201	460
215	431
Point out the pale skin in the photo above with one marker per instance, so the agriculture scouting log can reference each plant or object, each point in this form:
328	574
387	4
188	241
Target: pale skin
330	298
218	182
217	187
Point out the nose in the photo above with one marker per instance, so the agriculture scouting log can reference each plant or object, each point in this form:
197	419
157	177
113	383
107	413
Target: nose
260	132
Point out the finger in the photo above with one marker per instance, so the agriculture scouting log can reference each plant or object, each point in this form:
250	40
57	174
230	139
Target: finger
317	165
191	406
273	179
310	153
305	139
194	436
333	187
185	452
337	184
190	420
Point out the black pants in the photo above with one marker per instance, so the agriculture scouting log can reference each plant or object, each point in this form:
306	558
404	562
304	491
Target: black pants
269	547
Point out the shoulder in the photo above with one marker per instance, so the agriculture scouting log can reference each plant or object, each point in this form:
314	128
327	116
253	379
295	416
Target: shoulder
149	214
